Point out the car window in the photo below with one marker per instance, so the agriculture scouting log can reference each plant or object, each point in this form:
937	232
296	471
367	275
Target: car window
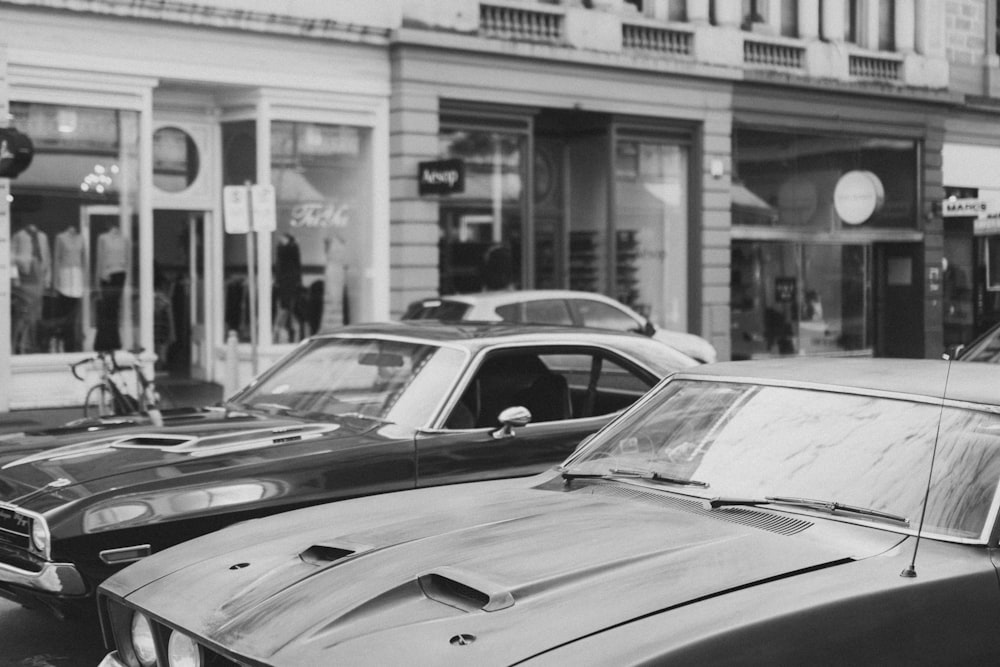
603	316
552	385
985	350
541	311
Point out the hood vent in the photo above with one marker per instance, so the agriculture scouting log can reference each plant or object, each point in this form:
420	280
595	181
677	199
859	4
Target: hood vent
321	554
463	591
774	523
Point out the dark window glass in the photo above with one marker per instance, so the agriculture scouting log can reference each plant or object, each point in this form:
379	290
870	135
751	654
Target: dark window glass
447	311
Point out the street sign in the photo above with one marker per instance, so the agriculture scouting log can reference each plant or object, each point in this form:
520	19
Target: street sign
236	209
262	201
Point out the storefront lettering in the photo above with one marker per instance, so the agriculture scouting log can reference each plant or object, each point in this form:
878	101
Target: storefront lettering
320	216
963	207
441	177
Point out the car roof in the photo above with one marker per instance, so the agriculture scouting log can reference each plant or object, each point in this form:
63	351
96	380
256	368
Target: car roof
965	381
476	335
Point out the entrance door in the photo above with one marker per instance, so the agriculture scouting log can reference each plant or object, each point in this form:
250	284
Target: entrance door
899	300
179	285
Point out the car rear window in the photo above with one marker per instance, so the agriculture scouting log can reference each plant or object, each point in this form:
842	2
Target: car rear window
436	309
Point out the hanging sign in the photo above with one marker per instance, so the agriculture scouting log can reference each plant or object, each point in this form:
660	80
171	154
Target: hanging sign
963	208
16	152
441	177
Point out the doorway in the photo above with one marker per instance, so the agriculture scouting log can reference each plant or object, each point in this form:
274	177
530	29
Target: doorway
179	318
899	300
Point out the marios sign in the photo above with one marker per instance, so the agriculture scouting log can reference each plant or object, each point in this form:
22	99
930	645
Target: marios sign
441	177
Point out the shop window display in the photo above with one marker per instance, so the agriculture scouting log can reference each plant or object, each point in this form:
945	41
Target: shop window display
812	182
63	298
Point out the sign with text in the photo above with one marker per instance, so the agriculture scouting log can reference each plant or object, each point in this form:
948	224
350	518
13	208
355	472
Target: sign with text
16	152
264	209
441	177
963	208
236	209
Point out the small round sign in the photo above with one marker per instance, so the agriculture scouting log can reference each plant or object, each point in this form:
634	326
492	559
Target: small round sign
857	196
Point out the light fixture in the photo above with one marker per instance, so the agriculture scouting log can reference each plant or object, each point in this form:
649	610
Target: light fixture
98	180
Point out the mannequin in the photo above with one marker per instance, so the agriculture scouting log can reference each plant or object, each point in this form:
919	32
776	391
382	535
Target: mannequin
30	254
68	282
112	263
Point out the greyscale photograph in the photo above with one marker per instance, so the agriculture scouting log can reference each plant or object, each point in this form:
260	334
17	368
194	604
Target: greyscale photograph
494	333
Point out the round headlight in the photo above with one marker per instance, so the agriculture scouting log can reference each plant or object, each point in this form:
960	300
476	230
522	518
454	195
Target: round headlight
39	536
142	640
182	651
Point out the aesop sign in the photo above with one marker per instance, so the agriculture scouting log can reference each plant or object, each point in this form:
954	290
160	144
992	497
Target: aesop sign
441	177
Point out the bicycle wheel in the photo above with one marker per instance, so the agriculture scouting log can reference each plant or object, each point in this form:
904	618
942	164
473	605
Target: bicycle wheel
99	402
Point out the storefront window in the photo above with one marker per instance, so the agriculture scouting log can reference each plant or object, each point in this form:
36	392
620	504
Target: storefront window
824	183
74	231
321	178
808	299
651	230
480	228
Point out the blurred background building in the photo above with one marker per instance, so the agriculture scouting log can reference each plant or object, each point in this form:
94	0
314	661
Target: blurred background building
782	177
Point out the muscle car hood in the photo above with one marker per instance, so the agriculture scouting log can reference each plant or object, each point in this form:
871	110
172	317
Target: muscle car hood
117	459
490	574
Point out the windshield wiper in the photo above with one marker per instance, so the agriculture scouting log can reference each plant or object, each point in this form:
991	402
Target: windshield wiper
831	506
654	476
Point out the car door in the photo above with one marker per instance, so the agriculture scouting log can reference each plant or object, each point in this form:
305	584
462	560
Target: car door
572	391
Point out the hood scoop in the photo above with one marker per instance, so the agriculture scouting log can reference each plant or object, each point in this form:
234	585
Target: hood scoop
775	523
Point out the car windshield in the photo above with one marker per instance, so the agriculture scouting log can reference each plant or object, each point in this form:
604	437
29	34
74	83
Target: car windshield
396	381
718	439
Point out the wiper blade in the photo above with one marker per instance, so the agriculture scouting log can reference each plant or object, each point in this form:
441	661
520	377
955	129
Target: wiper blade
569	474
830	506
655	477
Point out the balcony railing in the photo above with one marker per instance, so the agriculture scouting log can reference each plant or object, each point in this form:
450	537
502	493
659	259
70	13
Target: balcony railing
882	68
528	24
656	39
773	54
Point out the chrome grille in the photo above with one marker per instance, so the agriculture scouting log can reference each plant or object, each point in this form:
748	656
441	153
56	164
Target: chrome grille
15	528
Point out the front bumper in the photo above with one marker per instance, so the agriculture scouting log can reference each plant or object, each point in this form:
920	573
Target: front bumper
61	579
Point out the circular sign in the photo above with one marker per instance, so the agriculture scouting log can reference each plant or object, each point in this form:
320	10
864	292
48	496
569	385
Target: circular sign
858	195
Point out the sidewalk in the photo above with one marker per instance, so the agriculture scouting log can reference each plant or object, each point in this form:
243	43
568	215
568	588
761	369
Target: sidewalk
174	393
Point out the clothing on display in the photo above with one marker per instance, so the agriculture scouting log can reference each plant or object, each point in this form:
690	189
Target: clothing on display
68	281
112	262
30	255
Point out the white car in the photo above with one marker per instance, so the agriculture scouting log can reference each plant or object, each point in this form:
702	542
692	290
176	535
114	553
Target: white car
569	307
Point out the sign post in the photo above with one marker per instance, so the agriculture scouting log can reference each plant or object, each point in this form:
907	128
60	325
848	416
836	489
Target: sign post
248	209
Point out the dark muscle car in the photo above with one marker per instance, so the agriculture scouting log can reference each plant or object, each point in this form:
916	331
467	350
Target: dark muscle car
821	511
365	409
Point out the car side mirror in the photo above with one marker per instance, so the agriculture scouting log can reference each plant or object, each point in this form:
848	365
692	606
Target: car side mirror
649	329
953	351
517	415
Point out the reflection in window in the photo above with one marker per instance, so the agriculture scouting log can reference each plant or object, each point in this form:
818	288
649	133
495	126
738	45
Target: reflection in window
175	159
480	229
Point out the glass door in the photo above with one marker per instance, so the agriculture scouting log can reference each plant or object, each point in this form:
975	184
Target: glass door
179	293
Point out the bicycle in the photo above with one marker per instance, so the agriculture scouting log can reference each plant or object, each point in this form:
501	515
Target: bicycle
112	397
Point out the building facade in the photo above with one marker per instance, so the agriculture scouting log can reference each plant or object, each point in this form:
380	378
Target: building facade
769	174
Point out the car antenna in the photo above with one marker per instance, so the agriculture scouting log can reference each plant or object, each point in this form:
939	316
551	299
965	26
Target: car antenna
911	570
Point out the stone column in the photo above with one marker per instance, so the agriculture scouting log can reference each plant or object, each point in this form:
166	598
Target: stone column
906	26
697	11
833	20
808	19
729	14
930	28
